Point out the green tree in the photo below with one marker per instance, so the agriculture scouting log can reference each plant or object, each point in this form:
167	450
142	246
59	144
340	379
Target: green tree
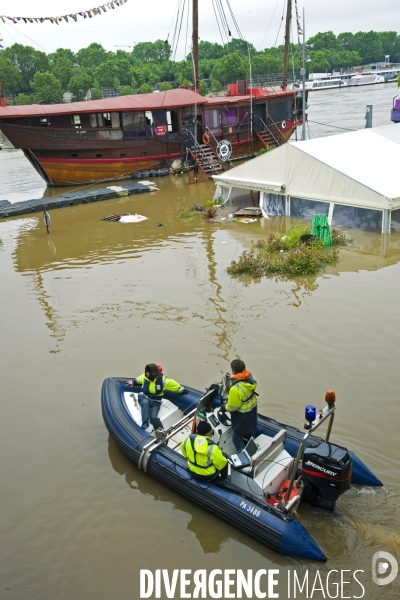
369	46
96	93
388	41
79	85
319	62
63	70
216	86
203	88
10	75
116	84
28	61
145	89
105	73
240	46
127	91
324	41
208	51
92	56
62	53
346	41
22	99
46	88
164	86
148	52
231	67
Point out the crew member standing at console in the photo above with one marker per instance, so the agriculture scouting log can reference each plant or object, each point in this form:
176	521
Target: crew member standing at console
241	403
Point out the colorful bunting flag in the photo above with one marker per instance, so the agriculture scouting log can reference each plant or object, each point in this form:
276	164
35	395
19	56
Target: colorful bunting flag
84	14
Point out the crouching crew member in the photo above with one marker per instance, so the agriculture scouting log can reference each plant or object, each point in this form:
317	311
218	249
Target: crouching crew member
153	384
241	404
205	459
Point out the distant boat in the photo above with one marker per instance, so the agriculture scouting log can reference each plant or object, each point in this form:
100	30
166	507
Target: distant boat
366	79
323	83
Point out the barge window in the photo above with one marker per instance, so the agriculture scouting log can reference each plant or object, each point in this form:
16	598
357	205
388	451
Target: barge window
134	124
213	120
115	122
96	120
172	121
76	121
107	120
244	115
229	117
44	122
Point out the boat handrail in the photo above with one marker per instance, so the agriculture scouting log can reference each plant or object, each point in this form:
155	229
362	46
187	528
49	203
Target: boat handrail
155	443
329	413
270	131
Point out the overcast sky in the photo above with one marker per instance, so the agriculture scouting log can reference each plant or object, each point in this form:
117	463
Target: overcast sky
260	21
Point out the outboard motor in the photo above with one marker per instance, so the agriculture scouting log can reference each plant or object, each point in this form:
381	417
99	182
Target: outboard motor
326	472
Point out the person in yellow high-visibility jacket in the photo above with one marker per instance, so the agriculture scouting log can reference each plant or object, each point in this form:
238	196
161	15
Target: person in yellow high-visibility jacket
205	459
241	403
153	383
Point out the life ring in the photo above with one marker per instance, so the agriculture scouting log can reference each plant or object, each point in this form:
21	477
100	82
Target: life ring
206	138
283	125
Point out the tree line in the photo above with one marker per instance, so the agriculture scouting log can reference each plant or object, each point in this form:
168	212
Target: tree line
29	75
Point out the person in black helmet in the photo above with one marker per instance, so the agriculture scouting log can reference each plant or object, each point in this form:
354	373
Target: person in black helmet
153	383
205	459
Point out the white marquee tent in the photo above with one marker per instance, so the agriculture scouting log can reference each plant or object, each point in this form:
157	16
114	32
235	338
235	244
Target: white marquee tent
352	177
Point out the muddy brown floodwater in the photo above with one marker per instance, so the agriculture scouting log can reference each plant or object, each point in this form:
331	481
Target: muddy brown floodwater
95	299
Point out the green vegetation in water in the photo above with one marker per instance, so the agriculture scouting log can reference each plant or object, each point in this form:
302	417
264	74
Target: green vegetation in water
262	151
186	213
214	202
287	255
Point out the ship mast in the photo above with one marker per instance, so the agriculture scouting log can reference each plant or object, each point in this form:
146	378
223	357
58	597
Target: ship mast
287	42
195	44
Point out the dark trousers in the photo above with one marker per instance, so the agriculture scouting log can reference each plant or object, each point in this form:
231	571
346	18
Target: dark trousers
150	409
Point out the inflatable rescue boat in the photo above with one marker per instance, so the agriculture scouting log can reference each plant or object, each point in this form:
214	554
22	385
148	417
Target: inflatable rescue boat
285	466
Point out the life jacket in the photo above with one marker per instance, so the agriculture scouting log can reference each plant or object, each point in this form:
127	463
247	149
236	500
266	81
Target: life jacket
249	396
159	385
198	452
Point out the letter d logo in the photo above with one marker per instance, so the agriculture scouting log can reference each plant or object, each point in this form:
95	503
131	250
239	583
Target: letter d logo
382	567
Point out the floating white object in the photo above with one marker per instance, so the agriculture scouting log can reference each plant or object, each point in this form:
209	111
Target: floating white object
132	219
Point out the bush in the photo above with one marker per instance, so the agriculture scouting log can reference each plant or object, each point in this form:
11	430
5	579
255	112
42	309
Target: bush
145	88
22	99
164	86
127	90
96	94
284	255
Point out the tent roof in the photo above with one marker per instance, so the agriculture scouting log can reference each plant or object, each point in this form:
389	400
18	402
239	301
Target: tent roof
359	167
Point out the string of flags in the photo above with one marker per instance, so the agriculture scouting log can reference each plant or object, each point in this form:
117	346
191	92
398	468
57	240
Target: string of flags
85	14
299	29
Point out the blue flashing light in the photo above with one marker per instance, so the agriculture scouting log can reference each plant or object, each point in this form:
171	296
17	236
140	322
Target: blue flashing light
311	413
